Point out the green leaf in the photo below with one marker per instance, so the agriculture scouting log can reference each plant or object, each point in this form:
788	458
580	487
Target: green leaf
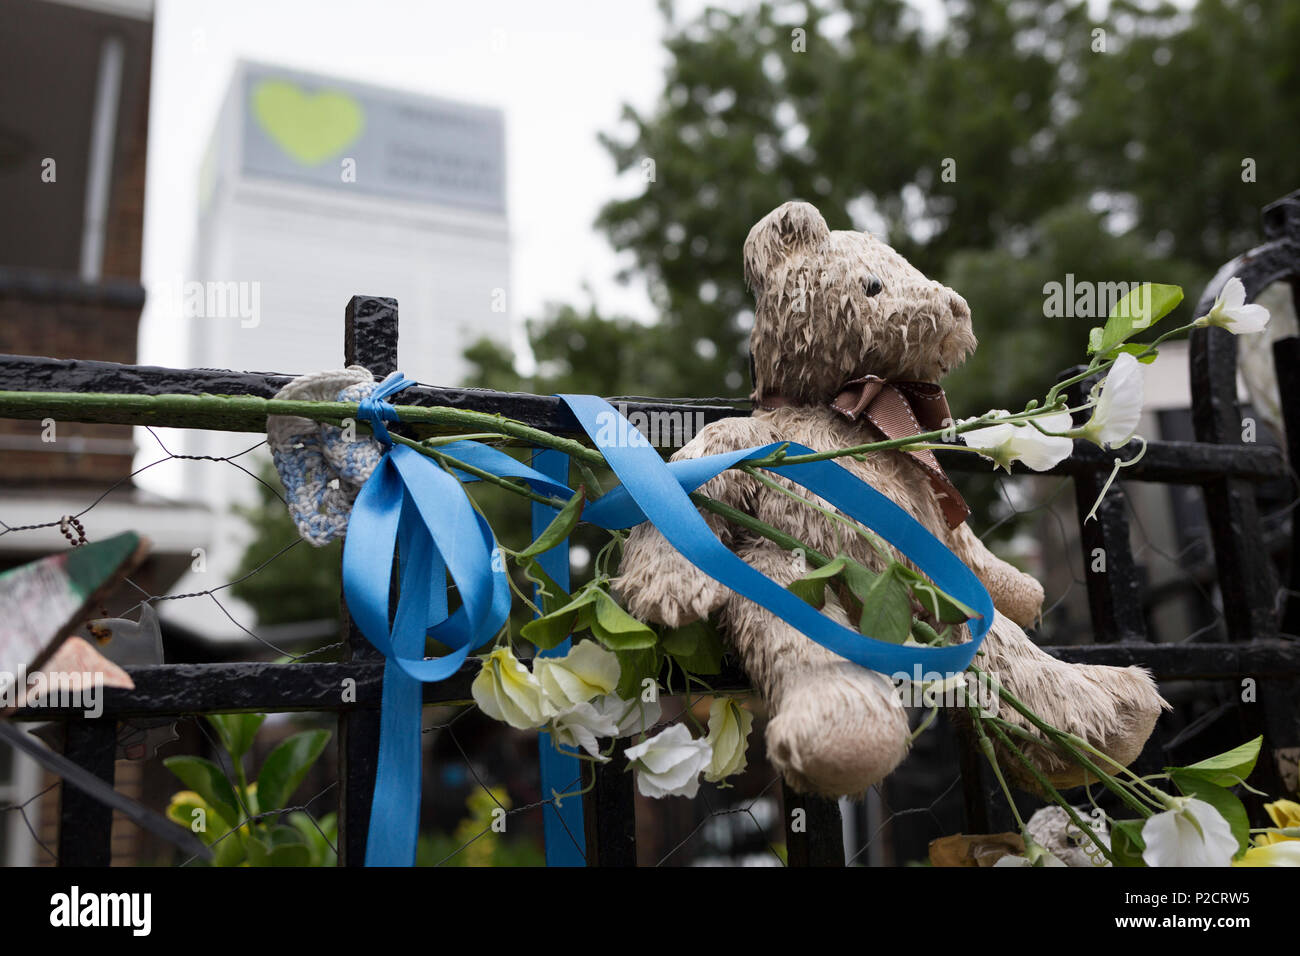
1136	349
288	847
618	630
209	781
811	587
551	629
697	647
1126	842
559	528
940	605
321	836
259	852
1136	312
1192	784
1230	768
634	667
887	609
286	767
236	731
230	851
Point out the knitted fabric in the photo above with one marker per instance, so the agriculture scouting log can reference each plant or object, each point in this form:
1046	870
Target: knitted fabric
322	470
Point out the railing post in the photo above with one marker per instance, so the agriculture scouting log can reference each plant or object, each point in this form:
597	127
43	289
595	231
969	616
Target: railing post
1111	574
609	812
85	824
370	340
814	829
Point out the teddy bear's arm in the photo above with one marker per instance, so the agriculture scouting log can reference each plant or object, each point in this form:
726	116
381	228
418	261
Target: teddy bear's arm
1016	594
656	583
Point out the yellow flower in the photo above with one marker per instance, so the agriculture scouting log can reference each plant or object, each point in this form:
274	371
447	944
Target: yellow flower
507	690
1284	813
729	726
1285	853
586	671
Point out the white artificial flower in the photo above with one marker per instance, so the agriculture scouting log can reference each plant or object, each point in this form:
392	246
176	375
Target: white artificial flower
586	671
581	726
729	726
507	690
607	716
669	763
1190	833
1119	405
1006	442
630	716
1231	312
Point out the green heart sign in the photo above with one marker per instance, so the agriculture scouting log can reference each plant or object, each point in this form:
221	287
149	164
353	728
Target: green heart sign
310	128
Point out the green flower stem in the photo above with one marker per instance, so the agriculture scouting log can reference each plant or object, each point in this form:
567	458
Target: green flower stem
788	542
779	458
871	538
1062	741
1047	788
1096	366
447	461
986	746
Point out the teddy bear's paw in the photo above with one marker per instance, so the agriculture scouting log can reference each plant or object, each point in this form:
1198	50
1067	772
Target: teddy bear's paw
837	731
1119	727
657	584
1113	708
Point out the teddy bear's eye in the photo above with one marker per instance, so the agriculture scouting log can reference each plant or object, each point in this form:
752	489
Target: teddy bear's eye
871	285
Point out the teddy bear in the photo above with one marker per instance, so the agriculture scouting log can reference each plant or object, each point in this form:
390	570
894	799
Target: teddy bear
839	318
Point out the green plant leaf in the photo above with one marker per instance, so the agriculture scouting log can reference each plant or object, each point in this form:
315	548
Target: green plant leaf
1192	784
811	587
236	731
286	767
1126	843
618	630
559	528
321	836
697	647
1139	310
551	629
634	667
1136	349
947	609
209	781
887	609
230	851
259	853
1229	768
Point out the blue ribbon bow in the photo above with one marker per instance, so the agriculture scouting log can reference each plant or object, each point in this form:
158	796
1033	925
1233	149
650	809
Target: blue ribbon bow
413	510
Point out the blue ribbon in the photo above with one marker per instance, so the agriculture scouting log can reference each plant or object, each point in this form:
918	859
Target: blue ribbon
566	839
412	508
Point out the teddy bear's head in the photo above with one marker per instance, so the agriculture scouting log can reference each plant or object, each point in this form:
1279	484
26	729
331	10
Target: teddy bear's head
834	306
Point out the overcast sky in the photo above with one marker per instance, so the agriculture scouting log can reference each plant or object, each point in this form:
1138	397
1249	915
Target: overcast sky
559	70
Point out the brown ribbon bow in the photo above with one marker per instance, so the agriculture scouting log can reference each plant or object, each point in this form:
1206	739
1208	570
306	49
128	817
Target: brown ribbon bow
900	410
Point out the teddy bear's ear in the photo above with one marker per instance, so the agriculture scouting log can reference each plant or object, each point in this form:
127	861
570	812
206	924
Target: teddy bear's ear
788	228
